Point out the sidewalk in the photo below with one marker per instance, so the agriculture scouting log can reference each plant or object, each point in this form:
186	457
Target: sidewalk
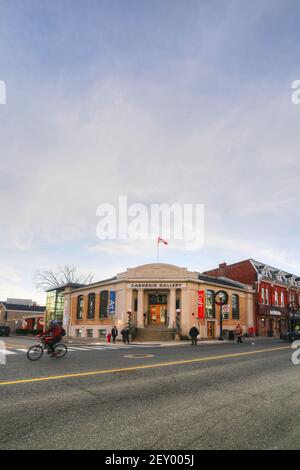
204	342
94	341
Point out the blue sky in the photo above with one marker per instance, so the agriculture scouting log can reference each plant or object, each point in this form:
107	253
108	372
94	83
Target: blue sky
173	101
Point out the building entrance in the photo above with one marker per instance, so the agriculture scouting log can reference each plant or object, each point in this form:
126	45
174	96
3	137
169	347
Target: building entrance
158	309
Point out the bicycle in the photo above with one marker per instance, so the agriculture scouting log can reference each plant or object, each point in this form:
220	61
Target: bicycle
36	351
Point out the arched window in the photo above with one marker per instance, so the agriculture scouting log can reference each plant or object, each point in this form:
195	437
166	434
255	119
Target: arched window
91	306
235	307
276	297
262	295
210	304
103	304
79	307
267	296
282	299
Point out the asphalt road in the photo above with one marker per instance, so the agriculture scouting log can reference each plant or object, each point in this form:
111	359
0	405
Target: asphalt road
224	396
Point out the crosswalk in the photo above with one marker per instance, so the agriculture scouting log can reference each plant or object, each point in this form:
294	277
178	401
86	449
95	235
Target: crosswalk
84	348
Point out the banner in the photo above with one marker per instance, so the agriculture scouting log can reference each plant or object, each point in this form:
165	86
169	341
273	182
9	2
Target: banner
112	303
201	312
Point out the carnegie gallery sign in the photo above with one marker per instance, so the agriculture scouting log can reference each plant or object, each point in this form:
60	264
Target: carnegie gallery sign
156	285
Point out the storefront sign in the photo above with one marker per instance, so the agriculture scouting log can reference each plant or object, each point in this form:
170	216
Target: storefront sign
201	313
155	285
275	312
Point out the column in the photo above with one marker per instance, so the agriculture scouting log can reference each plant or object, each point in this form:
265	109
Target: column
140	311
172	308
129	295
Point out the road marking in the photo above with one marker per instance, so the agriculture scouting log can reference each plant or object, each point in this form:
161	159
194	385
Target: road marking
149	366
6	351
138	356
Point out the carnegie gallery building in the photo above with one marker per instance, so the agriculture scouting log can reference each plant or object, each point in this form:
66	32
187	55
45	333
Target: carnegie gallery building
159	300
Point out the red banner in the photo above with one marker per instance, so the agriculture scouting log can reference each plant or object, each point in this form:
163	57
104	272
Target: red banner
201	313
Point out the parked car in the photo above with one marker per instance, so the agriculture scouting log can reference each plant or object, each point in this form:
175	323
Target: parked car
290	336
4	330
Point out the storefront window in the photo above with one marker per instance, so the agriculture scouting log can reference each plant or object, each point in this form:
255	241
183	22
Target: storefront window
91	308
79	307
210	304
104	304
235	307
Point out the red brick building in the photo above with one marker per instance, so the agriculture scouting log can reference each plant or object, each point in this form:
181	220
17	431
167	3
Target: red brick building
274	288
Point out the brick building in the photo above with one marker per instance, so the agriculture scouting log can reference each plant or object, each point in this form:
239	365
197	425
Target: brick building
275	289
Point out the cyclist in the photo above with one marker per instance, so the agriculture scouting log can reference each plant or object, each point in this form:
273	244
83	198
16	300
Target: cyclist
56	331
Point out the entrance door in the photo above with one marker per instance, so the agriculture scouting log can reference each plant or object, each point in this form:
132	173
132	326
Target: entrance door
210	329
158	314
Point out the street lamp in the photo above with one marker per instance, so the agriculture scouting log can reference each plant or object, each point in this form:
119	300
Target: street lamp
177	324
221	298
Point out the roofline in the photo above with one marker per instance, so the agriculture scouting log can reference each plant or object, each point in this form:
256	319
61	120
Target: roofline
232	284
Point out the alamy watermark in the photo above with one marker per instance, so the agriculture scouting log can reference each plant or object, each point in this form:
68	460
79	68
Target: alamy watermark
2	92
2	353
296	354
123	221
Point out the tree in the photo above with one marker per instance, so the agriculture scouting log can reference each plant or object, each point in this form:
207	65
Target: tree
47	279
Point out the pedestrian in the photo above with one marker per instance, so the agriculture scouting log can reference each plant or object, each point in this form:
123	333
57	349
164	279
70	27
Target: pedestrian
114	333
194	332
125	335
239	333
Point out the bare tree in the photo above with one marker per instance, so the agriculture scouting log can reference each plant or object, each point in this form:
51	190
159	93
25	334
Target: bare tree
47	279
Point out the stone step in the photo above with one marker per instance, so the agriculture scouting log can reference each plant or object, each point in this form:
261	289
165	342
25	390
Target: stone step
145	334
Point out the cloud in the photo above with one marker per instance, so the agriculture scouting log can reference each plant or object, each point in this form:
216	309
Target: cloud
203	116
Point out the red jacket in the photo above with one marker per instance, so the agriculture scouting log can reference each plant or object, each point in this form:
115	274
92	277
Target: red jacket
55	332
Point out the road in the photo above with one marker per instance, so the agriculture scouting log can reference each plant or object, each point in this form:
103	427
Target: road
223	396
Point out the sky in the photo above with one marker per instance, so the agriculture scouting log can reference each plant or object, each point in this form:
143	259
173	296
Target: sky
164	102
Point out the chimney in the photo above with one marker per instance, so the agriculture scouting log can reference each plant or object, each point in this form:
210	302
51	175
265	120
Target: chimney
222	269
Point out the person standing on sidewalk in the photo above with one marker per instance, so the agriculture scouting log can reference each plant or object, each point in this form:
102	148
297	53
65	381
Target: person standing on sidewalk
194	332
239	333
114	333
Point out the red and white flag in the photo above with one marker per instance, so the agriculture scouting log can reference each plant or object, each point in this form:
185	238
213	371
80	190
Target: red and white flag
161	240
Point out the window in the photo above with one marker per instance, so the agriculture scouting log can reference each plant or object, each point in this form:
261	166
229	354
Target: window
79	307
235	307
89	333
210	304
91	307
267	296
78	333
262	295
276	298
102	333
282	299
103	304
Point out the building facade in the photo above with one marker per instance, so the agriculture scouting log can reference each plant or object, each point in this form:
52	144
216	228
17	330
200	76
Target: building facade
22	314
274	289
158	297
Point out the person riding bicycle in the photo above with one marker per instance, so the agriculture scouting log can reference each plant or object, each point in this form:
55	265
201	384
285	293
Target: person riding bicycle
56	331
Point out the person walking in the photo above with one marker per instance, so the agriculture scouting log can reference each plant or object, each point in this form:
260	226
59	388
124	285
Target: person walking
239	333
114	333
125	335
194	332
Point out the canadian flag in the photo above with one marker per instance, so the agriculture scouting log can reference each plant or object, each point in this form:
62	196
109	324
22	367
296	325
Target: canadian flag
161	240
